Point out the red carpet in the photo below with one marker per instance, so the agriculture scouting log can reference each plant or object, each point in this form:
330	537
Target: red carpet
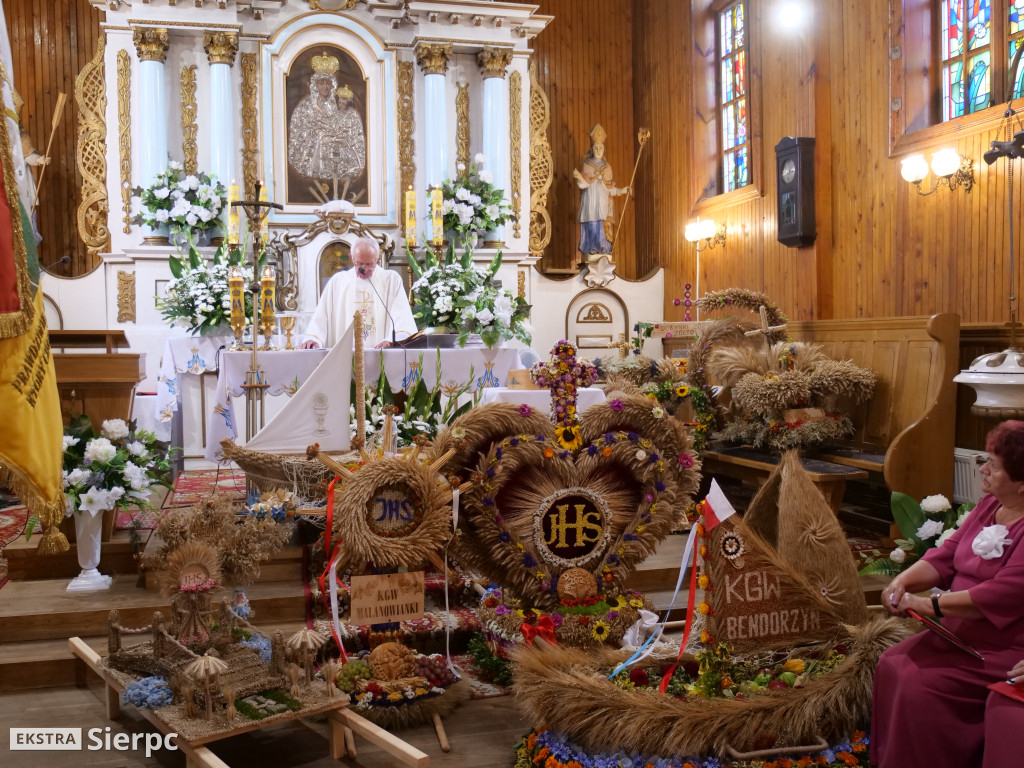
12	524
200	484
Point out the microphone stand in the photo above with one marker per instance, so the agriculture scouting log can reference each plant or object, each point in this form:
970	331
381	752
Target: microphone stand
362	273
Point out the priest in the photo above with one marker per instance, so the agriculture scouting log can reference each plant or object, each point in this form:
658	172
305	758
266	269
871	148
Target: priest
378	294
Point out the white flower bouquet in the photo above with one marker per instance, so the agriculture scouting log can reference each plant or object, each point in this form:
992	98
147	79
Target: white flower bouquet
455	293
186	203
116	469
923	526
472	203
198	296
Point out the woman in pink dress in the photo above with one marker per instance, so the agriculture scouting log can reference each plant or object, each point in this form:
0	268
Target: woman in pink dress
932	706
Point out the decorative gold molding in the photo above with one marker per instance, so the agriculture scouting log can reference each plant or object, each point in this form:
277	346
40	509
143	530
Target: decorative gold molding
433	57
515	116
462	130
220	47
151	43
494	61
124	136
541	166
337	5
406	126
250	122
91	153
521	282
125	296
189	127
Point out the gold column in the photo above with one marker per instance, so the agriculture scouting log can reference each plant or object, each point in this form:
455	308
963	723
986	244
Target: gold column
494	61
151	43
221	46
433	58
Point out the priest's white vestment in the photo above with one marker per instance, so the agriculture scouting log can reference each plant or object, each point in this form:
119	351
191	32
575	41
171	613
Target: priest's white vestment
347	293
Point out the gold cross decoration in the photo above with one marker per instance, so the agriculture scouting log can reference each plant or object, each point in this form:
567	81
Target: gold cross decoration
766	329
622	345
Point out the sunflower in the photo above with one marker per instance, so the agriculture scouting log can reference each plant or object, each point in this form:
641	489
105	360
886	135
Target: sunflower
568	437
615	603
682	391
636	602
600	630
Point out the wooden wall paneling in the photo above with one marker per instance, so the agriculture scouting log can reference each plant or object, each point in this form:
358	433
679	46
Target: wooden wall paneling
50	43
585	64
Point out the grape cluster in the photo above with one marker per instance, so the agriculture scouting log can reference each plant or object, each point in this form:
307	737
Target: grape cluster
436	670
353	670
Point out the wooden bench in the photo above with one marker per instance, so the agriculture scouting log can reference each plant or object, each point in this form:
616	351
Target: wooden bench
905	433
752	465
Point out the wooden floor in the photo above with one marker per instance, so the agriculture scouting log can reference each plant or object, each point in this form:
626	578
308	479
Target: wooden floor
482	734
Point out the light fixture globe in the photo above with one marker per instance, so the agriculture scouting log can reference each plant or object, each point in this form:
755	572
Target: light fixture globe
998	381
945	162
914	168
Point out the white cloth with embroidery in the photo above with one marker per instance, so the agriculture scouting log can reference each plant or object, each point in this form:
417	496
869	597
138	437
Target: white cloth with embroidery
540	399
347	293
286	371
183	355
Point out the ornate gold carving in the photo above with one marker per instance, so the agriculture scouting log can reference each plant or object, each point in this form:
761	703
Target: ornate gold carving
595	312
125	296
331	5
220	47
151	43
515	116
521	283
189	128
541	166
91	154
462	130
250	124
406	125
433	57
494	61
124	136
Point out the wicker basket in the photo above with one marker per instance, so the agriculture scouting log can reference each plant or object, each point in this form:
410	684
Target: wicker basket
268	471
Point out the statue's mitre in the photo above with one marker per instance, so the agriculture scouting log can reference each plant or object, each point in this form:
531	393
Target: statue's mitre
598	134
345	92
325	64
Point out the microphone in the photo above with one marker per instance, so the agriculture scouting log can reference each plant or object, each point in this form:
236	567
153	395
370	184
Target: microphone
361	271
62	260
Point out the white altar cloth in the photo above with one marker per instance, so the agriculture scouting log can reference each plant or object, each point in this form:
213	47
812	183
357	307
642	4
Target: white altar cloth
285	371
193	355
540	399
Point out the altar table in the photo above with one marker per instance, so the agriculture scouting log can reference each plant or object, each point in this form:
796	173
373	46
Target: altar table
540	399
285	371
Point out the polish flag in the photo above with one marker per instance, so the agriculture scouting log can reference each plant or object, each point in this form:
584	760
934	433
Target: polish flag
716	507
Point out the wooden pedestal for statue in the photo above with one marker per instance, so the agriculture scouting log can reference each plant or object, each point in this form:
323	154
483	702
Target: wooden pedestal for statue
97	381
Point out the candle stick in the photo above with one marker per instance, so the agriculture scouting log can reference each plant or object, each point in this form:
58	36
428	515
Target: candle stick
233	197
436	219
267	292
410	217
235	283
264	220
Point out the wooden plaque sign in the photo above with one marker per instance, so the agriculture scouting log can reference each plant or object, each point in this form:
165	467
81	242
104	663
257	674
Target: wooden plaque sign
386	597
756	603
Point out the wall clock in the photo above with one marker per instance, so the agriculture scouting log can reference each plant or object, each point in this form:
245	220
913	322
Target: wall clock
794	166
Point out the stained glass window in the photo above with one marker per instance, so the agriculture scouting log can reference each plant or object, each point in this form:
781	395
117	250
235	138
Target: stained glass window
732	96
966	56
1015	33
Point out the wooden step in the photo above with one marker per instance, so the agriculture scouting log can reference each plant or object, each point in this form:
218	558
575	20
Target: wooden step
43	609
33	664
661	569
117	556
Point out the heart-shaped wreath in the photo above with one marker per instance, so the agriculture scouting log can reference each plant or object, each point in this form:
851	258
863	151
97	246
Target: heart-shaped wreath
541	506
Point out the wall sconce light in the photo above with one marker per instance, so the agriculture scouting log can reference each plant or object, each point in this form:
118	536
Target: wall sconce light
951	170
706	235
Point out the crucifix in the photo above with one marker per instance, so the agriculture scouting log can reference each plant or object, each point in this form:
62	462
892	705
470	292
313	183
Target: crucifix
622	345
564	375
766	329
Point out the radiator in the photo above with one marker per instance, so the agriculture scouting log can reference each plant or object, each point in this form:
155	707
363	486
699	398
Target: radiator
966	478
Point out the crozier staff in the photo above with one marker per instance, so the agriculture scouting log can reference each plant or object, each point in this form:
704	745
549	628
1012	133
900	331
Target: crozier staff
932	706
378	294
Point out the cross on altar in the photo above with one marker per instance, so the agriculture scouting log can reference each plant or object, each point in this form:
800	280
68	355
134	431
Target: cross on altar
622	345
766	329
564	375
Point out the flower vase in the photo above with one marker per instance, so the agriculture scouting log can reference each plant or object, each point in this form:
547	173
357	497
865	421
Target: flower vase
157	235
180	241
88	535
470	240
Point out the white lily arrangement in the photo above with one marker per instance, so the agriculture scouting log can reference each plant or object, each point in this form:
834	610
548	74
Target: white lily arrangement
198	297
471	203
923	526
116	469
186	203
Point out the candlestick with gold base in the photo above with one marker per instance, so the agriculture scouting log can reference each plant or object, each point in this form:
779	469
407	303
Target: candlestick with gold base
255	380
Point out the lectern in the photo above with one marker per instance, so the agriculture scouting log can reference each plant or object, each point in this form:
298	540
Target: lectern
93	377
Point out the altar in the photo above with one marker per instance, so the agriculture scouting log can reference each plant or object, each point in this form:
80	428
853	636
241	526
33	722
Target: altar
284	371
